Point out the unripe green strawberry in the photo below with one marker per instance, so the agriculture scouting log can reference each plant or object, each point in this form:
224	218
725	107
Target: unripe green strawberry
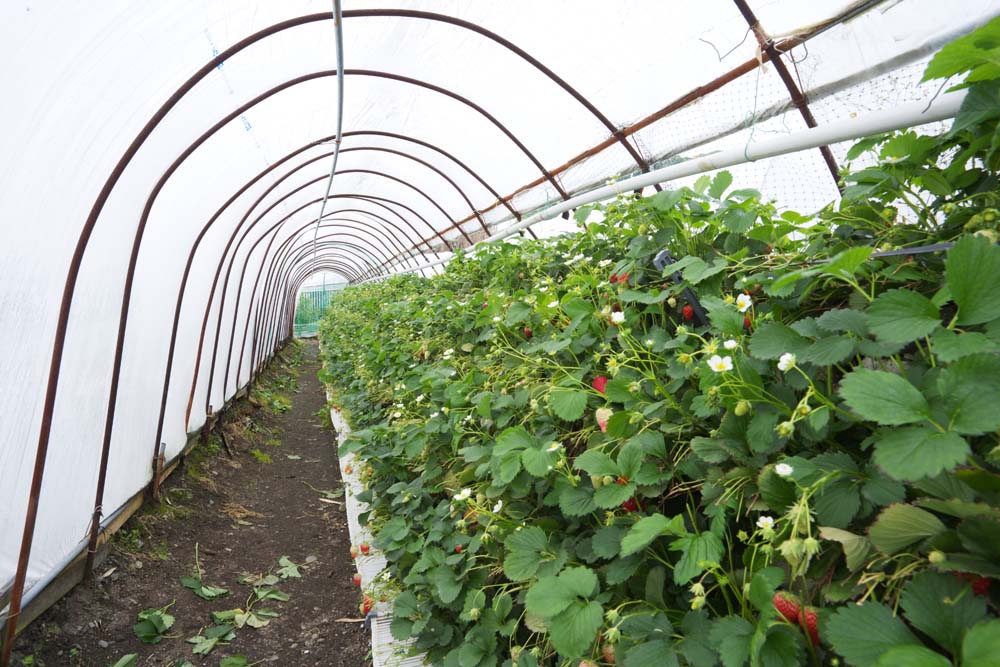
787	605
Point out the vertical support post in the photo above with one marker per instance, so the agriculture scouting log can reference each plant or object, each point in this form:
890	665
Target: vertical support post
158	470
798	98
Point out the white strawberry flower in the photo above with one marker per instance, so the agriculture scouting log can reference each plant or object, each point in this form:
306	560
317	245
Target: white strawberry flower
720	364
765	522
743	302
786	362
464	494
783	470
730	344
618	317
498	507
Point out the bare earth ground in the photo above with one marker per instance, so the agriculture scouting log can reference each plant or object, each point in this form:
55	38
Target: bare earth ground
243	514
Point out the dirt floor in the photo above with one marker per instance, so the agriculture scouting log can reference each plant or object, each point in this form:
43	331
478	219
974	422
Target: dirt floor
279	494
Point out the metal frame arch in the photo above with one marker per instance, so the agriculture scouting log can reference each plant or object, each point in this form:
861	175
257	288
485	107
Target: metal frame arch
73	275
461	192
226	282
232	259
277	262
261	311
445	153
161	182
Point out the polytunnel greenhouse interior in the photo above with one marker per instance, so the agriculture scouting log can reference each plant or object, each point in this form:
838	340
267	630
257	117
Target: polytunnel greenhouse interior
559	333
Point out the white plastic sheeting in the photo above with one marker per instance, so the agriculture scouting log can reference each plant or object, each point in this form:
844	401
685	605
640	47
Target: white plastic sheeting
82	79
386	650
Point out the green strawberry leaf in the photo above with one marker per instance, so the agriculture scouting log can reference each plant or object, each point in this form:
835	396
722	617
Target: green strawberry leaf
862	633
884	398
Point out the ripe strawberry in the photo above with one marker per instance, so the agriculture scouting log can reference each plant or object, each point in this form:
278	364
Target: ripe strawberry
365	548
787	605
688	313
613	278
980	585
608	651
527	333
631	505
599	383
458	548
747	323
367	606
809	621
357	579
354	551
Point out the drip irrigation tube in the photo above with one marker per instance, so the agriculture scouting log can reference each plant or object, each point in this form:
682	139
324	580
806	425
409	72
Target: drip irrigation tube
907	115
338	28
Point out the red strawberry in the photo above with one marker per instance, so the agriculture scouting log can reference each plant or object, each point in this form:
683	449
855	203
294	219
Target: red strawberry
622	480
357	579
354	551
527	333
365	548
608	651
747	323
787	605
980	585
688	313
458	548
599	383
367	606
631	505
809	621
623	278
613	278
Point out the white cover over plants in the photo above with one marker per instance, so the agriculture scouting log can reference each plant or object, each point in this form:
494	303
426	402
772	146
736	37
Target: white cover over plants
81	79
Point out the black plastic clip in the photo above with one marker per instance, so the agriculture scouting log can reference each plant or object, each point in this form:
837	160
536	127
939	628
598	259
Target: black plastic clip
662	260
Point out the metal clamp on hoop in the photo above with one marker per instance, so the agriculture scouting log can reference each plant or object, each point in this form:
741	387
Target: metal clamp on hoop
662	260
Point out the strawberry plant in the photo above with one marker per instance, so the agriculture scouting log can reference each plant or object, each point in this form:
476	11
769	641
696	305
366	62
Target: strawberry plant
779	449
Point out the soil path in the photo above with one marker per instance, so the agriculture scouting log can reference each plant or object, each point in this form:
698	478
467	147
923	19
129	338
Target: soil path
244	514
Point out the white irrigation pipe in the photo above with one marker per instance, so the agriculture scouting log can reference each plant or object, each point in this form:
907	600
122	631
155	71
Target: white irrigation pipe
907	115
338	29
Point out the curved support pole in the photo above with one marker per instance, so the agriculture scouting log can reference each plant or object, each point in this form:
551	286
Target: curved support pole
257	311
278	260
225	284
17	589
